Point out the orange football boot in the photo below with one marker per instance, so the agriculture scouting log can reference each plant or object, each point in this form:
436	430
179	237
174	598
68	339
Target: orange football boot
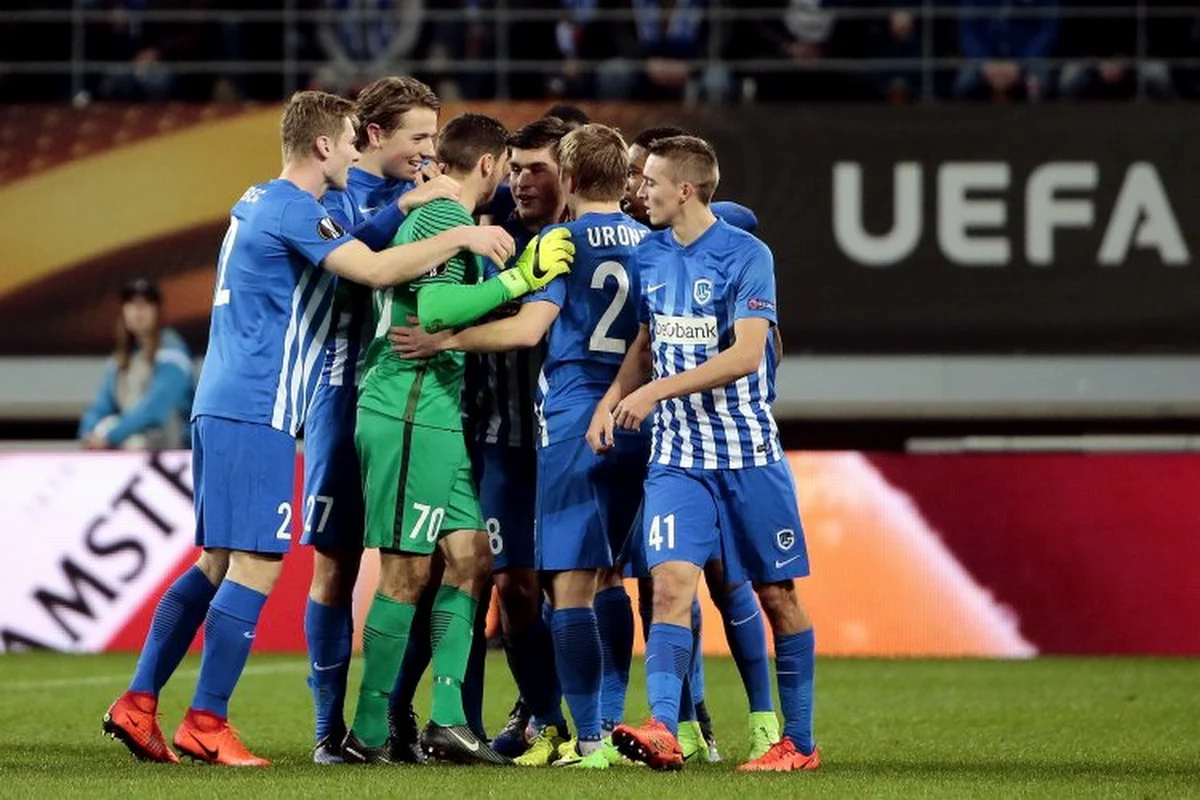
652	744
209	738
133	720
783	757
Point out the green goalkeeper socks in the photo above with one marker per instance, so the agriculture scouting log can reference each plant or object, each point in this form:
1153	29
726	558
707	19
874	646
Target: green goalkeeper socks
451	632
385	636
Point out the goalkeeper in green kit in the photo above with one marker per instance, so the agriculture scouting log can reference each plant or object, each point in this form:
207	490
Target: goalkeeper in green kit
416	473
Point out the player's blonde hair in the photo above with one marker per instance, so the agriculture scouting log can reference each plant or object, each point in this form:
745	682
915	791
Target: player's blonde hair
310	115
690	160
384	102
597	158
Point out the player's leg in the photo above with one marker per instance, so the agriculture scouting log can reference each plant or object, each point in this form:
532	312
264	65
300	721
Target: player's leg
765	532
333	526
405	487
680	527
132	717
747	637
250	514
468	557
476	674
417	655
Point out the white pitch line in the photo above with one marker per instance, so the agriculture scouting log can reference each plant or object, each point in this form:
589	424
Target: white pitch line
96	680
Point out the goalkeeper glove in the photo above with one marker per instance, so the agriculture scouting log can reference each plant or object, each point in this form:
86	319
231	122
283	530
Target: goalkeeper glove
544	259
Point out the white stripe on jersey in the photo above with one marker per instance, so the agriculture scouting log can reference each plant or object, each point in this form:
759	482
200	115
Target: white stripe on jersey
733	439
543	390
316	347
707	445
747	412
279	412
300	366
776	450
341	349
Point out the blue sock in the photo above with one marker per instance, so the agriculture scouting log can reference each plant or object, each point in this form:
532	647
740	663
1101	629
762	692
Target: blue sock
176	620
696	674
417	655
532	660
328	631
472	686
228	635
614	617
748	645
795	664
578	657
668	656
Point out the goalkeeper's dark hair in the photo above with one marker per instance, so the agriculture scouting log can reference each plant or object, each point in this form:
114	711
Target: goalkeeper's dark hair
544	132
647	137
467	138
692	160
385	101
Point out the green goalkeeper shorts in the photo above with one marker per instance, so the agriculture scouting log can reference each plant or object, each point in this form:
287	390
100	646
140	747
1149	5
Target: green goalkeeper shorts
417	483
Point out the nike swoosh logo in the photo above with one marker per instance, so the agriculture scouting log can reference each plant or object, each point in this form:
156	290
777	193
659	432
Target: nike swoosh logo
472	746
211	754
655	287
781	564
319	668
738	622
538	271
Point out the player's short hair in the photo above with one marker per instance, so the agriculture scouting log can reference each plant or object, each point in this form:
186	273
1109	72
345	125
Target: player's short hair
544	132
646	137
693	161
467	138
385	101
598	159
309	115
573	116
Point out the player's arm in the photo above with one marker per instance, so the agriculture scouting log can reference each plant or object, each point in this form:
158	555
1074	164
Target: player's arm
633	374
452	305
524	329
406	262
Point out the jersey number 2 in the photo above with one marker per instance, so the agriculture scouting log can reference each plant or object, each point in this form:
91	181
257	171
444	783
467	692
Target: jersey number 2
221	298
601	342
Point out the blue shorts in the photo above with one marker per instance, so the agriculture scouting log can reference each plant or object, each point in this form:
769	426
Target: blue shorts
634	555
333	491
587	504
748	515
507	479
245	479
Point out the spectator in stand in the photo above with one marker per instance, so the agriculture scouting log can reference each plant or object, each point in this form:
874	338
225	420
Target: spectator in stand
1105	48
897	35
368	39
805	32
1006	42
145	399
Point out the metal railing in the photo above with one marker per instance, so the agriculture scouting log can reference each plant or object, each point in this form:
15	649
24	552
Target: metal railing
297	19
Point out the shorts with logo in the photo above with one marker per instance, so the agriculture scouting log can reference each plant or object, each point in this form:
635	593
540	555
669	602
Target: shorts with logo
507	480
244	477
749	515
333	492
417	481
587	504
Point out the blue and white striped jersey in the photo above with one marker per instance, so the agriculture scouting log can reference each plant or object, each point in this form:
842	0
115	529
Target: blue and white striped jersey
346	350
596	323
271	308
690	297
499	389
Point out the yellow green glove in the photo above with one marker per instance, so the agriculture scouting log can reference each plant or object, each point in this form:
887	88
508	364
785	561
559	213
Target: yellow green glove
544	259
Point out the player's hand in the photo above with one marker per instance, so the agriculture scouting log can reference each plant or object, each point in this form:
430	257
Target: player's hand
631	412
489	241
440	187
600	431
546	257
414	342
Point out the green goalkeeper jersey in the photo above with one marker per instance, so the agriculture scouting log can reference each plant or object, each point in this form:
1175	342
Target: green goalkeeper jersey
421	391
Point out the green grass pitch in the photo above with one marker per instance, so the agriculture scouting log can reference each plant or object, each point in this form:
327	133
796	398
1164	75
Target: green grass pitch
954	729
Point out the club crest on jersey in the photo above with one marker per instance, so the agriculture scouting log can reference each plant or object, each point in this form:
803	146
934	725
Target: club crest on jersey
702	290
785	538
328	229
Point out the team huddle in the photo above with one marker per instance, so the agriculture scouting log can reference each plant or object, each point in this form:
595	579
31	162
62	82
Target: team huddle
579	394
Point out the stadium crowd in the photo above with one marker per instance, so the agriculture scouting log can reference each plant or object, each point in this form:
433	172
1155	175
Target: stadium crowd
769	50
